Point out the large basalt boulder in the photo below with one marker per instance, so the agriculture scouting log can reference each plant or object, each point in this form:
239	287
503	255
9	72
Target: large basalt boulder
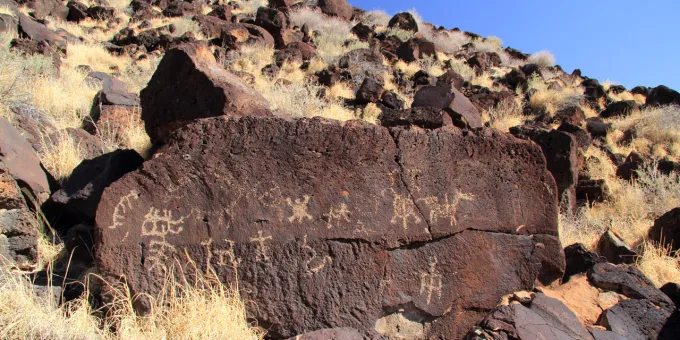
338	224
662	95
18	227
336	8
21	163
404	21
451	100
30	29
189	84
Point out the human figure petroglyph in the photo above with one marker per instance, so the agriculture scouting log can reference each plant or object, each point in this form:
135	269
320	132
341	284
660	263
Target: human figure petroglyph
448	209
121	208
299	208
337	215
310	268
431	281
262	248
403	210
160	223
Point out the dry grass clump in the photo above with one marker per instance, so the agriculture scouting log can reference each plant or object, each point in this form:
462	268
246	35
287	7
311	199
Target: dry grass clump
542	59
654	129
377	18
333	33
462	68
552	100
249	7
61	155
200	307
630	210
506	114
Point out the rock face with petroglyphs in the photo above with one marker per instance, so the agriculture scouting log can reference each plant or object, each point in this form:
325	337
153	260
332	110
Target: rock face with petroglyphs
328	224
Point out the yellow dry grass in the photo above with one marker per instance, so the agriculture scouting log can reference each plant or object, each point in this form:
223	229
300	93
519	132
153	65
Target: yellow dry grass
654	129
505	115
61	155
199	307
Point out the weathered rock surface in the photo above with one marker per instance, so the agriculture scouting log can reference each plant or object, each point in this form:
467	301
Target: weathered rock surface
455	103
18	230
339	224
614	249
189	84
336	8
21	162
666	230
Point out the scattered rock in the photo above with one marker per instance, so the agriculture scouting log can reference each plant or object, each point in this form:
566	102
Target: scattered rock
579	260
666	230
189	84
336	8
35	31
662	95
455	103
581	136
77	201
591	190
640	90
306	208
77	11
612	247
18	227
370	91
571	114
672	290
363	32
404	21
620	109
597	128
391	100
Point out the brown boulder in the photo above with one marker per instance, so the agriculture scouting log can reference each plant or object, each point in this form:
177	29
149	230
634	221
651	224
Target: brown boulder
189	84
449	99
666	230
21	162
33	30
274	21
336	8
370	90
338	224
614	249
18	227
404	21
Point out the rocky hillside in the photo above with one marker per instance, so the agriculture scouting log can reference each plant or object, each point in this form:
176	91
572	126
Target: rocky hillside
309	170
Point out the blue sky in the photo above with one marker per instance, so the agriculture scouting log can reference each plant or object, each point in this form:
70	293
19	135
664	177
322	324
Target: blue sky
628	42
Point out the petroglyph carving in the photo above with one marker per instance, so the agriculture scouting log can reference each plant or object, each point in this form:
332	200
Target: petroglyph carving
225	257
337	215
121	208
159	254
431	281
361	228
448	209
404	209
262	248
314	265
299	208
159	224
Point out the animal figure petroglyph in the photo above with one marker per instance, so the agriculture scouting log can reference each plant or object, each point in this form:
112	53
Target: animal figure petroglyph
338	215
448	209
121	208
311	269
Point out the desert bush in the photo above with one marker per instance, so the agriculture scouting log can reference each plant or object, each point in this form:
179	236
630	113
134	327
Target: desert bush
333	32
506	114
542	59
60	155
403	35
377	18
249	7
654	129
462	68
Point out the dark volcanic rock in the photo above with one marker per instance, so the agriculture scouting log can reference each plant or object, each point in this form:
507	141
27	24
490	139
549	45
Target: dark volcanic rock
404	21
18	232
35	31
666	230
425	117
336	8
640	320
579	260
339	334
597	128
581	135
370	90
189	84
449	99
21	163
80	195
571	114
591	190
619	109
612	247
543	318
338	224
662	95
672	290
